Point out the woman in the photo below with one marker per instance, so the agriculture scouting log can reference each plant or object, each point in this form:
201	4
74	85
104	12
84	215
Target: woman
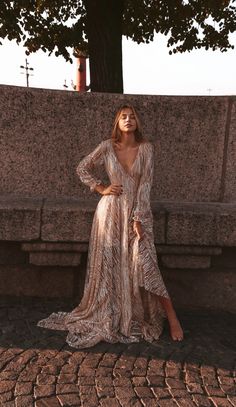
125	298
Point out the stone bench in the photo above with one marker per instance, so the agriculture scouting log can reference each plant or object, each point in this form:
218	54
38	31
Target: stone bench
51	234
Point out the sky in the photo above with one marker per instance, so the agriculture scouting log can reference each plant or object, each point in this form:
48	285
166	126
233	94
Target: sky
147	69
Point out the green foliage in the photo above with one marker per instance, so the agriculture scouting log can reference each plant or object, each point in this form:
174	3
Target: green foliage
56	25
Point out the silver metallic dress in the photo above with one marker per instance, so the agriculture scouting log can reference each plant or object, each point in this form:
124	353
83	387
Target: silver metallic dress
123	281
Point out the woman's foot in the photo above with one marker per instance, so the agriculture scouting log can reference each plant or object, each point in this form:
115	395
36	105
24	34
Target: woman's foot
176	330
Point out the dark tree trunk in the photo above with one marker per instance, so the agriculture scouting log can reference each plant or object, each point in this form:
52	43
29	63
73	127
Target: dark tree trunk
104	31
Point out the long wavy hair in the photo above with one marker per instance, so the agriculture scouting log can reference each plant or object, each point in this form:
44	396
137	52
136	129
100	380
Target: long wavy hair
116	133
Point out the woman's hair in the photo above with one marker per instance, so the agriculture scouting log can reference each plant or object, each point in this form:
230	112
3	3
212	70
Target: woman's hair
116	133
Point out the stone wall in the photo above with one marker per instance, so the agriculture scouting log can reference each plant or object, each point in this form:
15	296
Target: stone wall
46	212
45	133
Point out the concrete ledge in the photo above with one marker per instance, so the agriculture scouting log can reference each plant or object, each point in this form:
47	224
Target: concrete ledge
69	220
44	244
186	262
20	218
54	259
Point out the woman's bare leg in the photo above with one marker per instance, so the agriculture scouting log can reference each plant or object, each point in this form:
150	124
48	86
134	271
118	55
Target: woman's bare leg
176	330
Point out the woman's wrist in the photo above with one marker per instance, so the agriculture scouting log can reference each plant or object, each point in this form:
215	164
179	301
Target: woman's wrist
100	188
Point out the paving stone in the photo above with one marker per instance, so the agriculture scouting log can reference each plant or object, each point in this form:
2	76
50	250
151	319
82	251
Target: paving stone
201	400
51	369
69	400
175	383
9	404
67	378
139	381
6	385
44	390
178	393
156	381
232	400
122	373
104	371
86	371
125	393
220	402
86	381
24	401
69	368
66	388
122	381
48	402
109	402
8	375
160	393
185	402
6	397
44	378
167	403
23	388
144	392
195	388
214	391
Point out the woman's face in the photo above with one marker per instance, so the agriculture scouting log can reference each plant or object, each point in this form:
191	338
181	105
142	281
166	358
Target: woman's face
127	122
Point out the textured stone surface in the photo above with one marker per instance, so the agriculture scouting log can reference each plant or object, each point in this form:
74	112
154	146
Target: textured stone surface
229	168
186	262
57	247
19	218
55	259
213	288
59	128
47	281
38	368
67	220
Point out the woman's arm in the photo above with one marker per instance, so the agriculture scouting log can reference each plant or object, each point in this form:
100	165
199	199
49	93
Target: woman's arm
85	171
86	167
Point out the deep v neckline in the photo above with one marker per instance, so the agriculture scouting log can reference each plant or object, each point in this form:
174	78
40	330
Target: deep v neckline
122	167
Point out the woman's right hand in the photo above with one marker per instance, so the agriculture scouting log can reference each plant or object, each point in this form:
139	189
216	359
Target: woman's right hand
113	189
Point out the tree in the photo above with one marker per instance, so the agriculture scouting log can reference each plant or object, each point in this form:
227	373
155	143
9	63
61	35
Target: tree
97	26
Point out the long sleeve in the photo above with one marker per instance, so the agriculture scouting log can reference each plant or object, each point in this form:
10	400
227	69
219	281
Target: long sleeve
142	203
87	165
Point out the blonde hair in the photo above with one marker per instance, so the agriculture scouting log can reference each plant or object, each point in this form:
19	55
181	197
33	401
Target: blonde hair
116	133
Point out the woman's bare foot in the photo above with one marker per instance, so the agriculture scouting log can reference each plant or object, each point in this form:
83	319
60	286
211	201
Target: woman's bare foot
176	330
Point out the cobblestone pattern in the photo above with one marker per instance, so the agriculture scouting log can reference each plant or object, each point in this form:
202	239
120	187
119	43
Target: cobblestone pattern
38	368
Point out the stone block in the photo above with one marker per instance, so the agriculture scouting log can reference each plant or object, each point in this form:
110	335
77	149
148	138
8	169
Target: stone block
19	218
54	259
229	192
188	227
210	288
10	253
226	228
37	281
159	222
67	220
186	261
193	250
54	247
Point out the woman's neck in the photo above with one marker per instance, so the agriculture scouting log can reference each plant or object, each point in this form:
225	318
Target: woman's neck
128	139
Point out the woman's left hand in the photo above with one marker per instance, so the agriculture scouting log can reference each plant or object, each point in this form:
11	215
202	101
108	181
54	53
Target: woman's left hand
138	229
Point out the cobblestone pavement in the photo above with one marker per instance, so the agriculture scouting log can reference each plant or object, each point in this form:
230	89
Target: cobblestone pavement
38	368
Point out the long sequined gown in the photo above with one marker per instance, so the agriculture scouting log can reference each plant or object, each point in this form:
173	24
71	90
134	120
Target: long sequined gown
123	280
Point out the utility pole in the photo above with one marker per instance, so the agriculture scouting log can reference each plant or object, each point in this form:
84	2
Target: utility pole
65	86
27	69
